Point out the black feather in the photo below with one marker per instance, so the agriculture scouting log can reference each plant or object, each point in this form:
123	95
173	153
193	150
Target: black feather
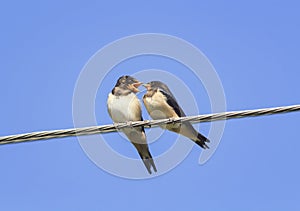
148	160
202	140
143	129
173	103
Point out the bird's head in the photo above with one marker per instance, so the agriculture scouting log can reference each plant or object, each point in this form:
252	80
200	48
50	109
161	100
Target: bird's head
128	83
154	85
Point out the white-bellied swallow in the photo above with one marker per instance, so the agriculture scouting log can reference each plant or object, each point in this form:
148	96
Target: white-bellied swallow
124	106
161	104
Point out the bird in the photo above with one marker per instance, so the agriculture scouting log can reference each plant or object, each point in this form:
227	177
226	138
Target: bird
161	104
124	106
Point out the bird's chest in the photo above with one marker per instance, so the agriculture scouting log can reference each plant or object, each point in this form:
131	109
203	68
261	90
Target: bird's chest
157	107
124	108
153	103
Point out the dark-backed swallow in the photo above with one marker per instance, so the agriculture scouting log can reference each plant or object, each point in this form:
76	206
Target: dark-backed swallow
161	104
124	106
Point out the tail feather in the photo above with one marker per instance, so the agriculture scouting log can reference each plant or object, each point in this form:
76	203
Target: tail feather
148	162
201	141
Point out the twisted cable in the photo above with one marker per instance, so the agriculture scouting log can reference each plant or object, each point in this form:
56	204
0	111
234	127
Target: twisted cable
45	135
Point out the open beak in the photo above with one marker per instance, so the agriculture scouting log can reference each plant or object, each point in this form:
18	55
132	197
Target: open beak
137	84
134	86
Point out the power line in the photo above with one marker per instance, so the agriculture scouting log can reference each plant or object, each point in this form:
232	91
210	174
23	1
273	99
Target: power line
44	135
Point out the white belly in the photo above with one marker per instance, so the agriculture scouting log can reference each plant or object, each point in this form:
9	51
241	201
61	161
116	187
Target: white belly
124	108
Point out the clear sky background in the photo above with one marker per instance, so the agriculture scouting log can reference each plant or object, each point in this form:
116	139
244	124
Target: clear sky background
254	47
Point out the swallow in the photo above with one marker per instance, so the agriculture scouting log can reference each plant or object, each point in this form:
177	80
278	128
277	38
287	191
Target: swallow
124	106
161	104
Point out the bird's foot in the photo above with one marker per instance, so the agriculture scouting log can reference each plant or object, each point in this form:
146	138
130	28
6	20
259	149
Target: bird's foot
117	126
129	124
174	123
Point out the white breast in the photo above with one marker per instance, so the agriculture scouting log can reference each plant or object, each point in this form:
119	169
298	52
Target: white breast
158	108
124	108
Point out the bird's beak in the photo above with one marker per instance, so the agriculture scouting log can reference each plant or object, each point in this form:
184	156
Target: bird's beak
134	86
137	84
147	86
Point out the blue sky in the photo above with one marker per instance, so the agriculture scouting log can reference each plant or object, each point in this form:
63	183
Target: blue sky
254	47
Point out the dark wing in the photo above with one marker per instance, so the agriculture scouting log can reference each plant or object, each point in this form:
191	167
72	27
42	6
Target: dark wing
173	103
143	129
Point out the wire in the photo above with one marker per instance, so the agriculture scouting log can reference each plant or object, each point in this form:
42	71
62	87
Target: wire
44	135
